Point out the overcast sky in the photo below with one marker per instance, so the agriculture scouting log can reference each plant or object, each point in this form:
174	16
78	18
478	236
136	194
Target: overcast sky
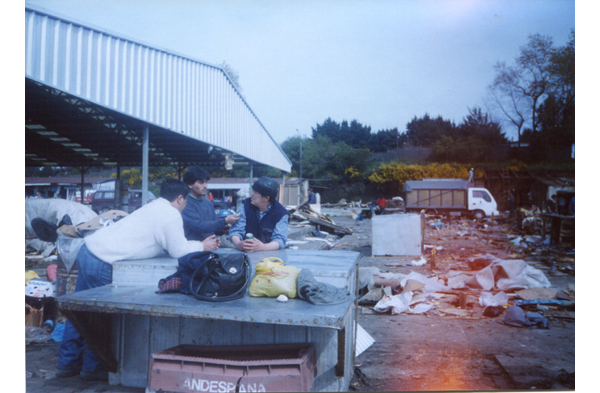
379	62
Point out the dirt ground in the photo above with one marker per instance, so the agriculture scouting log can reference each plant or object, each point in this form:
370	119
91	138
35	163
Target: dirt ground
438	351
444	352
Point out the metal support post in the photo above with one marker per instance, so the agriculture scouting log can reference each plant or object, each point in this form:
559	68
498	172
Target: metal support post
145	149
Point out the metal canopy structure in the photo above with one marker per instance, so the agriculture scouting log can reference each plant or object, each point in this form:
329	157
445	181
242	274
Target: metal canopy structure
92	97
63	130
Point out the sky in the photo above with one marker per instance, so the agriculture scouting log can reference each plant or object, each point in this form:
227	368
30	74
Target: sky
379	62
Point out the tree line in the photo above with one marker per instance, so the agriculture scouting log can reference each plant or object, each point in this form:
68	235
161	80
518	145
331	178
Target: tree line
534	95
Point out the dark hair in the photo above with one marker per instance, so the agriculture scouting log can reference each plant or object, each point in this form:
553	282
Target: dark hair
170	189
266	186
194	174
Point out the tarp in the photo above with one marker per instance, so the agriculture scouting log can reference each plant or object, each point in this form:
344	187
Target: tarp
435	184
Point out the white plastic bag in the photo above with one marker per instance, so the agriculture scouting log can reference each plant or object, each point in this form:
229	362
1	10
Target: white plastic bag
397	304
68	248
488	300
36	335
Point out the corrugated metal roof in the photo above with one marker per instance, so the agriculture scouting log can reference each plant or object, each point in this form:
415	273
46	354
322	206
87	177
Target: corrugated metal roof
111	82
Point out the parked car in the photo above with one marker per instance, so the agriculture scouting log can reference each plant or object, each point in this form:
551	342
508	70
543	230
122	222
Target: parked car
87	199
105	200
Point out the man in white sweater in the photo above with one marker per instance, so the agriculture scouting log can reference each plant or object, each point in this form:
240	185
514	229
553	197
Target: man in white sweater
146	233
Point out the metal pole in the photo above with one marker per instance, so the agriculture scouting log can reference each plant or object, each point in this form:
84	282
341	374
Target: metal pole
251	174
145	148
82	184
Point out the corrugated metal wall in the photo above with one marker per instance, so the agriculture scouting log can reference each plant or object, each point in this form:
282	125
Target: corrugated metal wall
165	89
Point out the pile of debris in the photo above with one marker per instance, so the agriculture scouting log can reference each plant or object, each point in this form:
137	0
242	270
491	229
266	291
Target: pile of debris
462	282
487	290
304	215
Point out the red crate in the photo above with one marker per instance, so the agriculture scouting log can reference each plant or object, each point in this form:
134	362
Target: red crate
220	369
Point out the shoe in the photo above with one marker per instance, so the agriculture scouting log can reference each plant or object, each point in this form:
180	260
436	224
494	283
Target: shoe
94	376
68	372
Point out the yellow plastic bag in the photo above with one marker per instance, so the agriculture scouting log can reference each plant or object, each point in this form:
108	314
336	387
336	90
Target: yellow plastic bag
273	278
29	275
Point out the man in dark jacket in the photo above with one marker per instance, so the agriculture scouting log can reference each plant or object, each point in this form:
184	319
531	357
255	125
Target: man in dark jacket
262	216
199	218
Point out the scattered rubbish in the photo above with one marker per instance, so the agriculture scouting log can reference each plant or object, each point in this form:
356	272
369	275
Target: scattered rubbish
36	287
537	293
294	242
51	271
34	334
282	298
420	308
479	263
305	213
397	304
363	340
413	285
319	234
515	316
420	262
29	275
371	297
438	248
493	311
563	303
361	376
387	282
488	299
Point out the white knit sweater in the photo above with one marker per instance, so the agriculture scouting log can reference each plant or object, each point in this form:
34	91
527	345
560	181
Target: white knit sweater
143	234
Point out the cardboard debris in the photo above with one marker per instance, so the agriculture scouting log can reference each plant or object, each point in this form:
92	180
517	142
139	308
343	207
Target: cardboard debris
412	286
537	294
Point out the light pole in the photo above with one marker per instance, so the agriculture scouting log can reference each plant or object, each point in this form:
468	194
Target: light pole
300	153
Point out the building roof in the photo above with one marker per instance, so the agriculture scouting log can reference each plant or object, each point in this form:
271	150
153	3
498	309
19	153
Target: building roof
64	180
90	94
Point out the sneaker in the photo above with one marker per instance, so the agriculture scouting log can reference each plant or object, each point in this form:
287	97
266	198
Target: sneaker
94	376
68	372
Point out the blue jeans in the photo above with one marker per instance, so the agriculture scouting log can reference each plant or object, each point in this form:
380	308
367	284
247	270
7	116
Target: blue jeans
92	273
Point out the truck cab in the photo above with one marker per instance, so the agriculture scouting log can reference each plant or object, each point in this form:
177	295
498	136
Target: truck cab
481	203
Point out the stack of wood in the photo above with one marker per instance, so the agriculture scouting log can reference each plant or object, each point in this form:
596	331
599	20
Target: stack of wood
307	215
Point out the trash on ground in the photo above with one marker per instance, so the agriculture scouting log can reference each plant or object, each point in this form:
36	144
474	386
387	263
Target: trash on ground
515	316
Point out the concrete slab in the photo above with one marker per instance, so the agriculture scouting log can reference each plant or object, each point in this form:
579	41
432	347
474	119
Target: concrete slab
397	235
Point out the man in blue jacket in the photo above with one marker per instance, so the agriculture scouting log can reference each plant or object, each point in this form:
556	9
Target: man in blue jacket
199	218
262	216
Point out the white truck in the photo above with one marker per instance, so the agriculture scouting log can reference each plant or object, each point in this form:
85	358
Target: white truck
448	196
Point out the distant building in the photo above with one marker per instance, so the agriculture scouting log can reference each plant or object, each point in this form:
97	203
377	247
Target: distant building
67	187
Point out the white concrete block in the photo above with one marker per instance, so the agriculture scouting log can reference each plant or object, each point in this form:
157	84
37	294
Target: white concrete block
396	234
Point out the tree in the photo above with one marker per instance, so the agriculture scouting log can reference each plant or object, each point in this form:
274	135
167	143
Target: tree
322	158
425	131
562	71
480	126
556	114
384	140
354	134
519	89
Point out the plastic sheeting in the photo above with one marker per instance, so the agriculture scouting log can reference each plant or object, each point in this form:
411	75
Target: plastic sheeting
51	210
506	275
